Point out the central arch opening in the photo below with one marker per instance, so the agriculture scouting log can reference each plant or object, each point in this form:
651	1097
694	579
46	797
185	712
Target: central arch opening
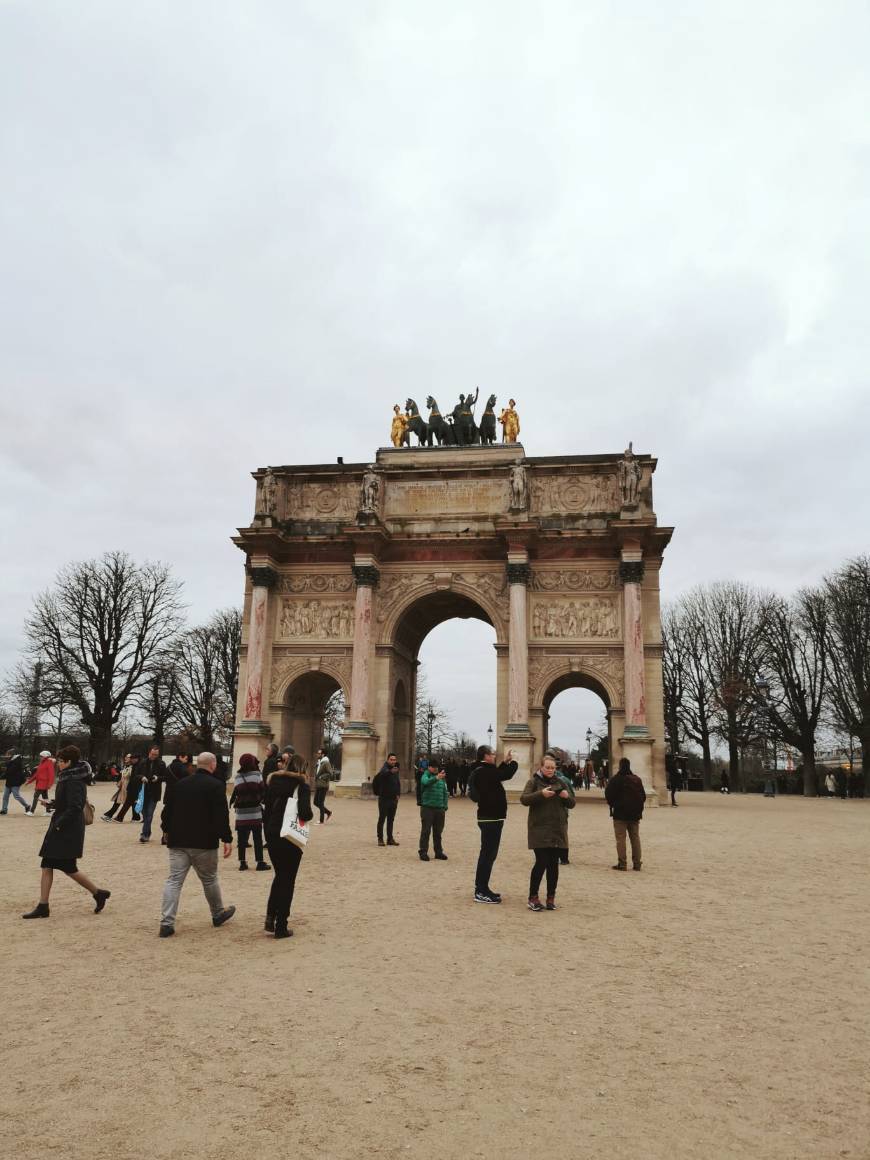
445	687
577	721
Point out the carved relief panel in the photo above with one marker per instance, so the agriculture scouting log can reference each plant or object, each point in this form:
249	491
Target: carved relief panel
336	499
316	619
317	582
609	668
575	580
552	494
583	618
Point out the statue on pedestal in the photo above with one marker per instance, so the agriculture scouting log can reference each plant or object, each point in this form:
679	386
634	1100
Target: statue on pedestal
510	422
268	495
519	488
398	427
370	492
629	478
487	422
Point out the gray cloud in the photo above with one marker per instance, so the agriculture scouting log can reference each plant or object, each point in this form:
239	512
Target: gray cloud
234	235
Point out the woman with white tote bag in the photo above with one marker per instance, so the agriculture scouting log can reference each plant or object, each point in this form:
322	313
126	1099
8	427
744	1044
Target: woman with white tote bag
286	814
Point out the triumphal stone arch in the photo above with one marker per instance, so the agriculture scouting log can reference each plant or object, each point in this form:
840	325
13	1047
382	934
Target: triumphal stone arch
349	566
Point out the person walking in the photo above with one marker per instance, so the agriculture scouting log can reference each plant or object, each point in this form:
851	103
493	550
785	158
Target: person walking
322	778
724	782
675	778
42	778
286	855
626	797
433	810
588	773
153	775
548	798
247	800
131	791
486	788
64	841
180	766
119	797
195	820
15	778
388	787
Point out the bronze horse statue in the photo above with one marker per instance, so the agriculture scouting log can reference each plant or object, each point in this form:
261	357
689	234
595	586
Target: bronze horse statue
438	425
417	424
487	422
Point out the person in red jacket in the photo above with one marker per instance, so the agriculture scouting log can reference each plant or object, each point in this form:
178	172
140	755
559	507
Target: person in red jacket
42	778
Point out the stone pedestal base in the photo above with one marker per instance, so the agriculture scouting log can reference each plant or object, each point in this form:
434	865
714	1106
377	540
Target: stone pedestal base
251	737
636	745
521	740
358	747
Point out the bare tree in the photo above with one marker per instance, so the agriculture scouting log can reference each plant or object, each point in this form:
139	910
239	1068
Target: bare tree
674	672
44	698
794	642
226	625
101	626
158	698
731	615
690	701
202	704
847	593
432	722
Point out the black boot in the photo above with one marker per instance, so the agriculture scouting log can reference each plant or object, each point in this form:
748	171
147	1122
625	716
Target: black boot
101	897
269	924
282	930
39	911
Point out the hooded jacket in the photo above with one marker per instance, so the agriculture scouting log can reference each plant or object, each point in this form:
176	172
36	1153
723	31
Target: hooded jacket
43	776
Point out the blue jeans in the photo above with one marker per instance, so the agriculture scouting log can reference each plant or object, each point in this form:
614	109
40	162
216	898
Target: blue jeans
490	840
148	809
13	791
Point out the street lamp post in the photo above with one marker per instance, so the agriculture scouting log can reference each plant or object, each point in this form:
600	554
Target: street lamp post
430	722
588	743
489	731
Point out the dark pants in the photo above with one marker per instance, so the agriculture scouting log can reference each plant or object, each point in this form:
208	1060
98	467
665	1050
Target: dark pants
129	804
37	794
256	834
563	855
432	821
546	861
490	840
386	813
285	863
674	795
147	816
320	801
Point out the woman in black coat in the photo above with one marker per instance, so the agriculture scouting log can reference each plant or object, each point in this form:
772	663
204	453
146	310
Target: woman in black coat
65	840
285	856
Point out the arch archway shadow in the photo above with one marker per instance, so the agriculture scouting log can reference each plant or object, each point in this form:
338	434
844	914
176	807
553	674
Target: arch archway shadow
303	711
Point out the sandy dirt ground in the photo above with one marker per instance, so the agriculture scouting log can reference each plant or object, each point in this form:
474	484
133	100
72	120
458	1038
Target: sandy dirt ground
714	1005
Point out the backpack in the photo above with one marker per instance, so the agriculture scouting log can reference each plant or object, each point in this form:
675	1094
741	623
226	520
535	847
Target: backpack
472	786
376	783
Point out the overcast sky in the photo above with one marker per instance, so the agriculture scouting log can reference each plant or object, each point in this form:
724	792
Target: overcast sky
233	234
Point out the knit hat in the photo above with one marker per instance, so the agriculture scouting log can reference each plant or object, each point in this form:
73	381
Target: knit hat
248	763
45	753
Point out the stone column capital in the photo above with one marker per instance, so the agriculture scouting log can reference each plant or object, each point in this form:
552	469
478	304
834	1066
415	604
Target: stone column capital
365	575
631	571
264	577
519	574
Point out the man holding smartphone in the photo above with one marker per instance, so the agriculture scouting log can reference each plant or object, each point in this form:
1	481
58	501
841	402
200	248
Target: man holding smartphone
433	810
486	787
388	787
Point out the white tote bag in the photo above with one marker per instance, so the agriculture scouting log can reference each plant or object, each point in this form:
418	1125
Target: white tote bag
291	828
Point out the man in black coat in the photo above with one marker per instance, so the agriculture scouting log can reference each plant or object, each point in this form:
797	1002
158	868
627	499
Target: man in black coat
153	773
16	775
195	820
486	787
388	786
626	797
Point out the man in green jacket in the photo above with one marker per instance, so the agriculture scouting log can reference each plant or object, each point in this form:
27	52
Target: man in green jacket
433	809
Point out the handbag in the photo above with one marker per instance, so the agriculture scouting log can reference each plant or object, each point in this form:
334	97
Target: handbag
291	828
139	807
88	811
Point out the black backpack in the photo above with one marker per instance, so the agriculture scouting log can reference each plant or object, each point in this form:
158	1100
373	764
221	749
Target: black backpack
376	783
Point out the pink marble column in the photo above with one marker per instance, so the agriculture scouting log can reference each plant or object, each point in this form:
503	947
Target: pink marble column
631	575
518	646
366	577
263	579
